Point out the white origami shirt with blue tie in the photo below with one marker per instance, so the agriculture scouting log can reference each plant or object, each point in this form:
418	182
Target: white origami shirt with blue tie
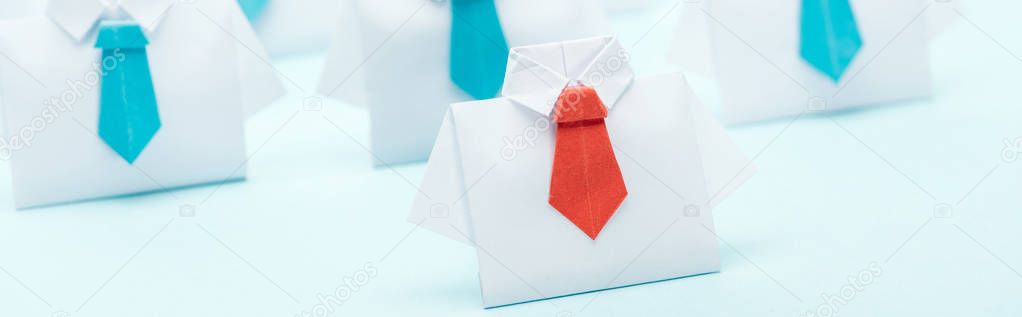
208	73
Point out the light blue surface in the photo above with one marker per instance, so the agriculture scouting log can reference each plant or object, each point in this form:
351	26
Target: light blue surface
830	36
128	114
833	195
478	48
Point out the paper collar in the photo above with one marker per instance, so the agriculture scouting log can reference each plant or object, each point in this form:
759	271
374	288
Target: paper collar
536	75
79	17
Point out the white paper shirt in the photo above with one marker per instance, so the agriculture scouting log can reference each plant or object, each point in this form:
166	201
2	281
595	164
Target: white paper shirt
394	57
674	157
19	8
297	26
761	74
49	90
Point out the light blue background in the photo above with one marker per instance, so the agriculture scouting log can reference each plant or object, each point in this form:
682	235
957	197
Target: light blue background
834	194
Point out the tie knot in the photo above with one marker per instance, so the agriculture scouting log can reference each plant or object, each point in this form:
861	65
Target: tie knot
120	34
579	103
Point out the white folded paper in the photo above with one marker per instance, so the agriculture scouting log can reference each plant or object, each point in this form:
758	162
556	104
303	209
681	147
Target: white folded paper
13	9
204	74
297	26
628	5
394	57
753	49
19	8
487	181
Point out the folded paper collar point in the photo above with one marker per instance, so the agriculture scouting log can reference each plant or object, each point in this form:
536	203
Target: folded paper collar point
79	17
538	74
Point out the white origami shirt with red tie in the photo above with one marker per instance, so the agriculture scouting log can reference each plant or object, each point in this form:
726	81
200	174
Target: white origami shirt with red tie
488	180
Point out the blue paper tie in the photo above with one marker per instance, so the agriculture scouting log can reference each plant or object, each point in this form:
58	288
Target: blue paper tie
253	9
128	116
478	48
830	36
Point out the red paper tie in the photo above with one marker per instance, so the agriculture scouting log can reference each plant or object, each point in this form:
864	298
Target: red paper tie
586	185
